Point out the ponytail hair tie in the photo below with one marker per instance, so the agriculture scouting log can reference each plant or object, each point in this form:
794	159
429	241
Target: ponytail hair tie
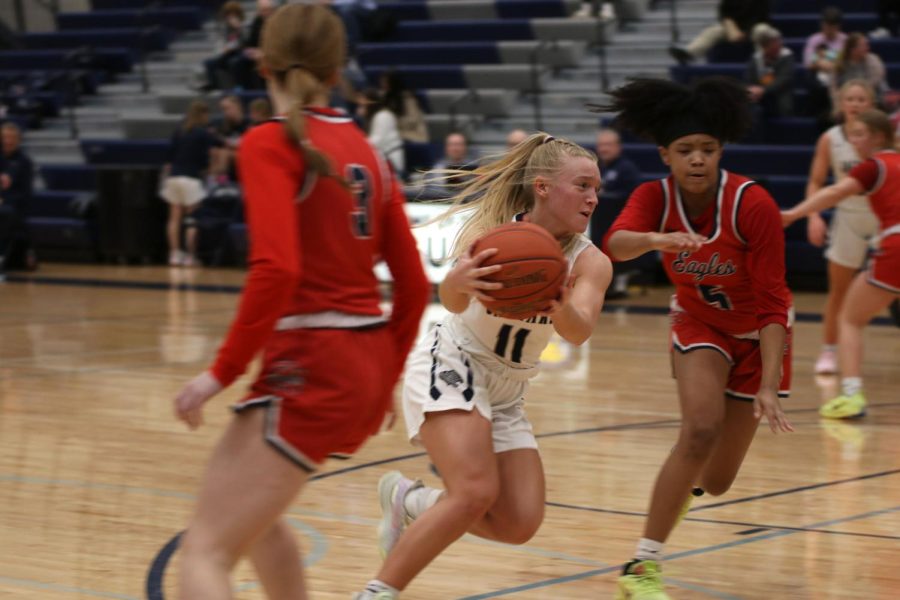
547	139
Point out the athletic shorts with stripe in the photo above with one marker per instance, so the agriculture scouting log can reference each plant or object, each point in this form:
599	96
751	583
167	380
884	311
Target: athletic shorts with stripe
442	375
325	391
689	333
884	266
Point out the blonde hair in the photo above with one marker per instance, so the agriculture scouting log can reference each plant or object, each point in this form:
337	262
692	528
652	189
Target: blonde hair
860	83
878	122
197	115
303	47
504	186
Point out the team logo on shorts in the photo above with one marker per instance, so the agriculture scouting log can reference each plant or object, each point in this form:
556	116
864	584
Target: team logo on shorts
451	378
285	376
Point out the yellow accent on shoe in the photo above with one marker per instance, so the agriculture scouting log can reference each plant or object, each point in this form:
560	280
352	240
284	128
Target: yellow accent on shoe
643	581
844	407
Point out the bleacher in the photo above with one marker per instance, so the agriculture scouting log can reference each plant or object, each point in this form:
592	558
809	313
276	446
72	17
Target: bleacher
474	66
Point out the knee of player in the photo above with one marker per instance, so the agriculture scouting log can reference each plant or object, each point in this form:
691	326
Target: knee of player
523	528
475	497
196	545
698	437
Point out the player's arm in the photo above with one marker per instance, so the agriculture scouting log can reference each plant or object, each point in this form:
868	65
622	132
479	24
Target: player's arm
411	289
270	183
758	224
635	230
575	313
824	198
818	172
464	281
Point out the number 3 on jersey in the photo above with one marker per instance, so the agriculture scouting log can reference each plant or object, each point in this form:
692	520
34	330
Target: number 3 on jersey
360	181
714	296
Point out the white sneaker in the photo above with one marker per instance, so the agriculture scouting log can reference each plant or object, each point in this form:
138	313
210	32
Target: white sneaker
371	596
392	490
176	257
879	34
826	363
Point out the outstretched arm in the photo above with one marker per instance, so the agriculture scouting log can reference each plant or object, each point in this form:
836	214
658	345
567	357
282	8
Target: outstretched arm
824	198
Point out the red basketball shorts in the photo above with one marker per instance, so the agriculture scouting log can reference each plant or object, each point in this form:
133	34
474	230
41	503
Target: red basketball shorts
689	333
884	266
325	391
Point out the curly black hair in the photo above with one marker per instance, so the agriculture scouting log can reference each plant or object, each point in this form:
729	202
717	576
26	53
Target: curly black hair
659	109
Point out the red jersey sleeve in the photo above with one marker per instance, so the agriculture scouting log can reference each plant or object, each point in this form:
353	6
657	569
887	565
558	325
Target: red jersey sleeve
412	289
270	177
759	223
867	173
642	212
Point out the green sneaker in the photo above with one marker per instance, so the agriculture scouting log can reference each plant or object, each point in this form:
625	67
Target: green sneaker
695	493
844	407
642	580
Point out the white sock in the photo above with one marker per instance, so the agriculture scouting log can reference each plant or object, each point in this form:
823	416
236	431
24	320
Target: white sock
851	385
420	499
376	587
829	348
648	549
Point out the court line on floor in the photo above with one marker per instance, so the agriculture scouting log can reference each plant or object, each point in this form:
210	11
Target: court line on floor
235	289
52	587
634	513
678	555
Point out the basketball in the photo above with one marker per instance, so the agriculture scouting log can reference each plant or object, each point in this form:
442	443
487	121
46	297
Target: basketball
533	270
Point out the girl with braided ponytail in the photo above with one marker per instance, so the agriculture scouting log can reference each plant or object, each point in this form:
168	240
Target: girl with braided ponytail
322	208
465	382
723	248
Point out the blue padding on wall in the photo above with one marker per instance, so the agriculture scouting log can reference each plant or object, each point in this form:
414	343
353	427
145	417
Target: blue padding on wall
424	53
125	152
180	18
474	30
155	38
516	9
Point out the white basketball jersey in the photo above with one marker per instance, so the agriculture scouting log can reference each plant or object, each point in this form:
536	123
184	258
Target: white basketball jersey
516	343
844	158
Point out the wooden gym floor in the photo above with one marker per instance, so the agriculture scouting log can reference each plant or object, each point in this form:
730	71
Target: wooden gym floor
97	478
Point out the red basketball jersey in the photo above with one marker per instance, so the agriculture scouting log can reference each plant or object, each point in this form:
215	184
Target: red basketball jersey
314	242
735	281
880	176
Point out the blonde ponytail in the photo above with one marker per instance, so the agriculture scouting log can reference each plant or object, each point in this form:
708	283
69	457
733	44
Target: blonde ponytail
504	186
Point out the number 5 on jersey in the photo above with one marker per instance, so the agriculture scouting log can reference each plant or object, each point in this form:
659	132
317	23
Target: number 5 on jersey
360	181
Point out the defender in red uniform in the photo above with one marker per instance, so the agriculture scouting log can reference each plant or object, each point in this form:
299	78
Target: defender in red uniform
723	249
322	208
878	177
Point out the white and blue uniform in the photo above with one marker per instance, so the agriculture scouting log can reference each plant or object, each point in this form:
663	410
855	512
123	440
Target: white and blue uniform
853	224
476	359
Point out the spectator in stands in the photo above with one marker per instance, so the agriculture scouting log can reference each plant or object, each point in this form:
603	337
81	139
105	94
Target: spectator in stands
736	21
857	62
770	73
619	177
356	15
232	13
888	18
404	104
853	224
820	54
182	187
229	128
456	158
243	66
16	177
515	137
382	129
260	111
